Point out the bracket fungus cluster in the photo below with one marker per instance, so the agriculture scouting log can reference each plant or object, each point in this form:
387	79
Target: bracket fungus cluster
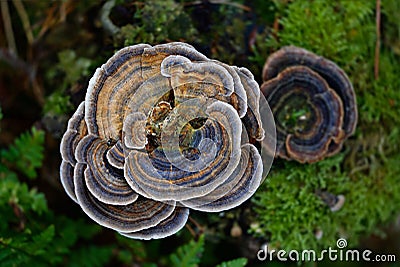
163	129
313	103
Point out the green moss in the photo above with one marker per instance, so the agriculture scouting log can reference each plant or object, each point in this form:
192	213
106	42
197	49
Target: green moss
291	213
391	25
333	29
289	209
379	100
157	22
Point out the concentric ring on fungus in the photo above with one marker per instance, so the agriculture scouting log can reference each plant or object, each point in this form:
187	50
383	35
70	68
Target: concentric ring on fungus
313	102
164	129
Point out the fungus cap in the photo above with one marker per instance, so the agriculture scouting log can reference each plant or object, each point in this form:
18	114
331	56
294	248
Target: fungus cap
291	77
164	129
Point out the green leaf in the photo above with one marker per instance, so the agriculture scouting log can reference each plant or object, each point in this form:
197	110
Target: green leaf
240	262
12	192
38	201
26	154
45	237
92	256
188	255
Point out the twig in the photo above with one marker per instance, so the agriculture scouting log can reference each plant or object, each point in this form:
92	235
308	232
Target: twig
7	56
63	12
30	70
25	20
56	14
5	13
192	232
66	8
201	228
220	2
37	90
275	28
48	21
223	2
378	38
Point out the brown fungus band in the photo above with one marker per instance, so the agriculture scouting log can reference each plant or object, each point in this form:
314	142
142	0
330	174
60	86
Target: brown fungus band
313	103
162	130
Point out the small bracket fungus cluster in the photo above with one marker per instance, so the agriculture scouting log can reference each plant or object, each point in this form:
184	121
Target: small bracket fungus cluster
313	103
163	129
